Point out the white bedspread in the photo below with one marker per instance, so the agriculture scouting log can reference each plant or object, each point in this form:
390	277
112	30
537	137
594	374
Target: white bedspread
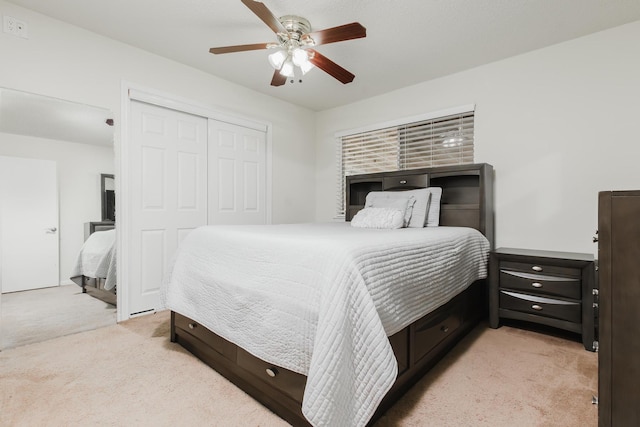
321	299
97	258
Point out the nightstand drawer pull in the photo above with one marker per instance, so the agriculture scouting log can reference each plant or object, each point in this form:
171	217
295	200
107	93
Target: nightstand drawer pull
192	325
404	181
536	284
536	307
444	329
536	268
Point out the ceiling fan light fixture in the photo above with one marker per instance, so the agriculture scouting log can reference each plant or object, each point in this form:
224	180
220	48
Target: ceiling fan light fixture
299	56
294	42
305	67
287	68
277	58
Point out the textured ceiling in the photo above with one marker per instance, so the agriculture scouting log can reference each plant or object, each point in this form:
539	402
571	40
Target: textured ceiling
408	41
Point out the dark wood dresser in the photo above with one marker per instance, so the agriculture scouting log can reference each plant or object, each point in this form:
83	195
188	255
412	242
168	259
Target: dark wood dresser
549	288
619	278
92	227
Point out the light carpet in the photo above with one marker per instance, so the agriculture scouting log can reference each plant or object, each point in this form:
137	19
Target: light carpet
42	314
130	374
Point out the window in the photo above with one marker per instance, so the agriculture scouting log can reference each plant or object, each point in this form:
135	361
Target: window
426	142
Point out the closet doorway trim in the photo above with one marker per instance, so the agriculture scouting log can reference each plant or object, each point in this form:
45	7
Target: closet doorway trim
130	92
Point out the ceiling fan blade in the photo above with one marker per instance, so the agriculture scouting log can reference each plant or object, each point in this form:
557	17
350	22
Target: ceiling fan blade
330	67
337	34
278	79
240	48
265	15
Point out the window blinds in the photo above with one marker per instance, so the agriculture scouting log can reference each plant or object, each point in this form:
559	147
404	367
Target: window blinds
438	141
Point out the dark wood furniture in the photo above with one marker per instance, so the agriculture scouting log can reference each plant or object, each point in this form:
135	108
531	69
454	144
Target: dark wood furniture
619	294
92	227
94	286
108	197
549	288
467	197
467	200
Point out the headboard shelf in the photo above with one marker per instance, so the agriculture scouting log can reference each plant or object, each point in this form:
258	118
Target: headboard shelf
467	192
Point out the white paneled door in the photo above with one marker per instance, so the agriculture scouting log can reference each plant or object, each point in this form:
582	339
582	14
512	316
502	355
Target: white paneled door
168	194
237	174
28	224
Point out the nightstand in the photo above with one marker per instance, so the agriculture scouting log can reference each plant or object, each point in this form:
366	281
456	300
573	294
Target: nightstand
549	288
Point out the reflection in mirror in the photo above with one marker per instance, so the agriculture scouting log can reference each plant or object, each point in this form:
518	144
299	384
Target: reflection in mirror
108	192
73	144
25	113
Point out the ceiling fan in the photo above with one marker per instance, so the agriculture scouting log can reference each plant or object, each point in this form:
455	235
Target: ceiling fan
295	45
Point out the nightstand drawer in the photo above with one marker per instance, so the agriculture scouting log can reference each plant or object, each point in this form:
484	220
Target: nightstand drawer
569	287
558	309
540	268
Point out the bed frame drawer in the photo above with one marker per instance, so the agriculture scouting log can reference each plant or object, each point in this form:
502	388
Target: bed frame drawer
193	328
288	382
430	331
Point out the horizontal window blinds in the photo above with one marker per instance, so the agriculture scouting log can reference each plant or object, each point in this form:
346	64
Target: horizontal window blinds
439	141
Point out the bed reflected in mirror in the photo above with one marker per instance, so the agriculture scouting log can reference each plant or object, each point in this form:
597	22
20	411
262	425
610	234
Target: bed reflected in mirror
74	144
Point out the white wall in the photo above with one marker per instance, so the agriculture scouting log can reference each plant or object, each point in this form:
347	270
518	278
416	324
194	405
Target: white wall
558	125
79	168
67	62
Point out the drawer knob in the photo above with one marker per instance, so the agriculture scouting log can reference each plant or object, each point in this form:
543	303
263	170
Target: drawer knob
444	328
536	307
536	268
403	181
272	372
536	285
192	325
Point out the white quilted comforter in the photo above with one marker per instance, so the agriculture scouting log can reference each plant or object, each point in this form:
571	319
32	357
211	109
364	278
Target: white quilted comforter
321	299
97	258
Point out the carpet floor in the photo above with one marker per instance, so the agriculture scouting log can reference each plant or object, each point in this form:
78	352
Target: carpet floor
42	314
131	374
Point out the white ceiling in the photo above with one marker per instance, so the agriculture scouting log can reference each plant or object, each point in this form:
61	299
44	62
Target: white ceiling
41	116
408	41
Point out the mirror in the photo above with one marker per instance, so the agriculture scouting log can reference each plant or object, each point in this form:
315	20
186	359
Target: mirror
108	193
65	151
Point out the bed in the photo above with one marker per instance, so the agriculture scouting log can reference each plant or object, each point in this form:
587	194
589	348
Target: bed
337	330
95	267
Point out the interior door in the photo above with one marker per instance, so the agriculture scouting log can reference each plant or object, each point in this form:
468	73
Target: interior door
28	224
168	195
237	174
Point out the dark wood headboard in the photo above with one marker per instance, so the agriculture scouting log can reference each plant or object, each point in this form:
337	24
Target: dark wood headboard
467	192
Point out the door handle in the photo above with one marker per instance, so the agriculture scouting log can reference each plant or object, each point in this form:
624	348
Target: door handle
51	230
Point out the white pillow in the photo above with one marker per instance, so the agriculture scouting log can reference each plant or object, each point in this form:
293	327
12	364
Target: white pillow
378	218
420	208
392	199
433	218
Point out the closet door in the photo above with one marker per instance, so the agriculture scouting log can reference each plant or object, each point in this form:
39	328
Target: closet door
237	174
168	195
